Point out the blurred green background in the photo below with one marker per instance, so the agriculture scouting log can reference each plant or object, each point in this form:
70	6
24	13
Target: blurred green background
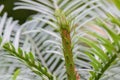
20	15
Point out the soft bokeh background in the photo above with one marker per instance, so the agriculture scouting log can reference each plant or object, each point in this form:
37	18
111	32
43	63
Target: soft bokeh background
20	15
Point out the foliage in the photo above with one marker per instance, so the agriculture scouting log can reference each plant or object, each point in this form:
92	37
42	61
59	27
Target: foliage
106	50
29	60
16	74
54	37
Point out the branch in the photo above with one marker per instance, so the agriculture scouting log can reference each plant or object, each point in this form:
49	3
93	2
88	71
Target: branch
29	60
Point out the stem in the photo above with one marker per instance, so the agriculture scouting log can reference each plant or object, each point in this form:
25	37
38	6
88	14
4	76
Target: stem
64	25
66	42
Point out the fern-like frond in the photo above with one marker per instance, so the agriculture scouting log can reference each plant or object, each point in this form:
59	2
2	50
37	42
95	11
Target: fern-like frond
41	34
29	60
10	31
78	12
47	47
104	51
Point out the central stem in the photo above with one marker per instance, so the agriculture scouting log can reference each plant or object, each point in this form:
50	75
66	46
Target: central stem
66	43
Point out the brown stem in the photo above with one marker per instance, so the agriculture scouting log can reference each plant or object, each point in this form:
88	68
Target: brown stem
66	42
64	25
